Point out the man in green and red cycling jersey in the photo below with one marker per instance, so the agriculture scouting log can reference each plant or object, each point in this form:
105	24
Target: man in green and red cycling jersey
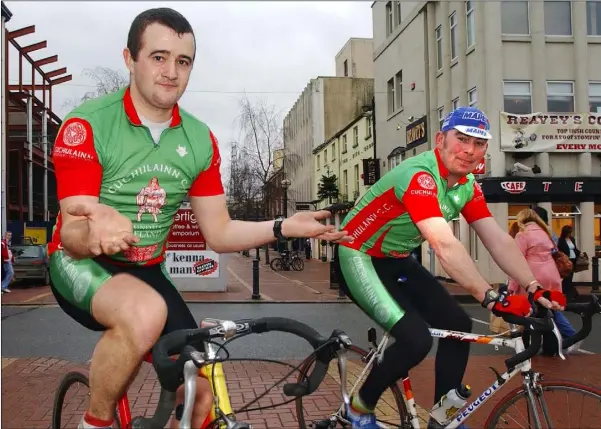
411	204
124	163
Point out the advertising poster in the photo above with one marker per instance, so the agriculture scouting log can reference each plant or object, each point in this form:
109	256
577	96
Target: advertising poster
187	253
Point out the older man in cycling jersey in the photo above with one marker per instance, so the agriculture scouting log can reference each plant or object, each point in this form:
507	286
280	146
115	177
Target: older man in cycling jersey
411	204
124	163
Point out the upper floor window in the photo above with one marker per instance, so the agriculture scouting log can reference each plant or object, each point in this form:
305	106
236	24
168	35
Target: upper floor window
470	28
390	96
594	97
517	97
558	18
456	103
389	19
593	17
397	13
346	67
453	25
515	17
560	97
440	117
438	47
472	97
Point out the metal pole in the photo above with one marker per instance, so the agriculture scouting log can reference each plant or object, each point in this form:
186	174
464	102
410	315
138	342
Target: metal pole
432	260
45	143
285	211
30	156
256	294
4	126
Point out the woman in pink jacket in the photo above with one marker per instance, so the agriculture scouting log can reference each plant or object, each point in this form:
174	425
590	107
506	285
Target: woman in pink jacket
536	243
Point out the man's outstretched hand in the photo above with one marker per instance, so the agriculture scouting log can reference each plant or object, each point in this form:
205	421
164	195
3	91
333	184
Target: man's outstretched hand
307	224
109	231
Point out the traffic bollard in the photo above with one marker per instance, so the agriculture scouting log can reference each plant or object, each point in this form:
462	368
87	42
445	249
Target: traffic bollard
256	294
595	267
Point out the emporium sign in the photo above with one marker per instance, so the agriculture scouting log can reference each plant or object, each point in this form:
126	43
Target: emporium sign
551	132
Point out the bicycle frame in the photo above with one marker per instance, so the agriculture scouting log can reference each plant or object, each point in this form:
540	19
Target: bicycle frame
221	400
463	414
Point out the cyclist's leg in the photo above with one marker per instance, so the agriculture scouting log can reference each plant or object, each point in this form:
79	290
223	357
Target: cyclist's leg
372	284
179	317
441	311
131	315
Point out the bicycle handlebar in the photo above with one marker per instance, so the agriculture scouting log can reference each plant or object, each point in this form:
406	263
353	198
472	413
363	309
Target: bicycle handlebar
543	322
170	371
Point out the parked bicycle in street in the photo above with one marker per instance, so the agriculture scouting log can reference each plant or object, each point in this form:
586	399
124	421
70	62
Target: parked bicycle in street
288	259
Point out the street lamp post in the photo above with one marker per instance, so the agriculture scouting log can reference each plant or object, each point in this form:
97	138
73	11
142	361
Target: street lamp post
285	186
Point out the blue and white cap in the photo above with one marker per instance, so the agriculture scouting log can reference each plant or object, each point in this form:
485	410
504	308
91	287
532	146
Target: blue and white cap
468	120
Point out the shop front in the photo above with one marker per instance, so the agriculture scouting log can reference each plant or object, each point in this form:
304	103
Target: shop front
574	201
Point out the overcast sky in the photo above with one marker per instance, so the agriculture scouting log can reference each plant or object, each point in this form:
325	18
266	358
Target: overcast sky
268	49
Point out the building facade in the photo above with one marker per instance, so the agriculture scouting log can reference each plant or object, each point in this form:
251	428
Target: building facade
355	59
509	58
326	105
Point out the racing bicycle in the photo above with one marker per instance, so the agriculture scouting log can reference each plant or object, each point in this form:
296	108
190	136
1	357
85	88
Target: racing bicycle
535	390
173	372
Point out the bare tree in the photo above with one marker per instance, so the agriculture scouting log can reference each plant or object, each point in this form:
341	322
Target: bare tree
105	80
261	136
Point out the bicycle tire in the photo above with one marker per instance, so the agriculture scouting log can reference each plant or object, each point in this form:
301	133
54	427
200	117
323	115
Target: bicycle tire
396	392
279	261
298	264
519	392
72	377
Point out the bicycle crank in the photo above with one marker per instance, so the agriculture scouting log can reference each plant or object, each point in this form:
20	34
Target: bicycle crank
324	424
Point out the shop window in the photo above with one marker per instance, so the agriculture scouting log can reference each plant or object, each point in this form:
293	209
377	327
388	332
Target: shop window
564	214
473	245
456	224
512	212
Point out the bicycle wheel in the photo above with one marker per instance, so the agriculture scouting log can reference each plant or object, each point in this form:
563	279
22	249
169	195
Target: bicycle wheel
391	409
298	264
69	380
276	264
551	402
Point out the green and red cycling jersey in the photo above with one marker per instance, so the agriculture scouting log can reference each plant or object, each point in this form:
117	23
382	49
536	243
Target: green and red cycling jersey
382	224
104	150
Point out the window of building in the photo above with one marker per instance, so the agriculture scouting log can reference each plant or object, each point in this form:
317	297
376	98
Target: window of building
345	182
355	136
515	17
440	117
344	148
318	162
564	214
517	97
438	32
390	92
389	19
512	212
397	13
560	97
325	156
594	96
356	171
558	18
368	126
453	25
593	17
470	26
456	224
346	67
472	97
398	90
455	103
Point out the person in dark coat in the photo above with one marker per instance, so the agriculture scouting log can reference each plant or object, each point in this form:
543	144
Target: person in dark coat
567	245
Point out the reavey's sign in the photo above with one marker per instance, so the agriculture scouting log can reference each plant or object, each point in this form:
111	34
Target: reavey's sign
417	132
550	132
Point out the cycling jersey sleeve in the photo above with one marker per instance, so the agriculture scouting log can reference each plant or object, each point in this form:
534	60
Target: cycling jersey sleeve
476	208
420	198
208	183
76	165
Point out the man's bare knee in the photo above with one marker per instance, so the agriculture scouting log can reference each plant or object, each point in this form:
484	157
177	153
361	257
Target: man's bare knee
129	306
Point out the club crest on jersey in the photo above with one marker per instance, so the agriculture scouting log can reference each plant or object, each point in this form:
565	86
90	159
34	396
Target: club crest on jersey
151	199
426	181
74	134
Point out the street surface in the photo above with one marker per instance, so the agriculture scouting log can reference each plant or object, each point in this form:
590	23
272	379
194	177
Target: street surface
47	331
